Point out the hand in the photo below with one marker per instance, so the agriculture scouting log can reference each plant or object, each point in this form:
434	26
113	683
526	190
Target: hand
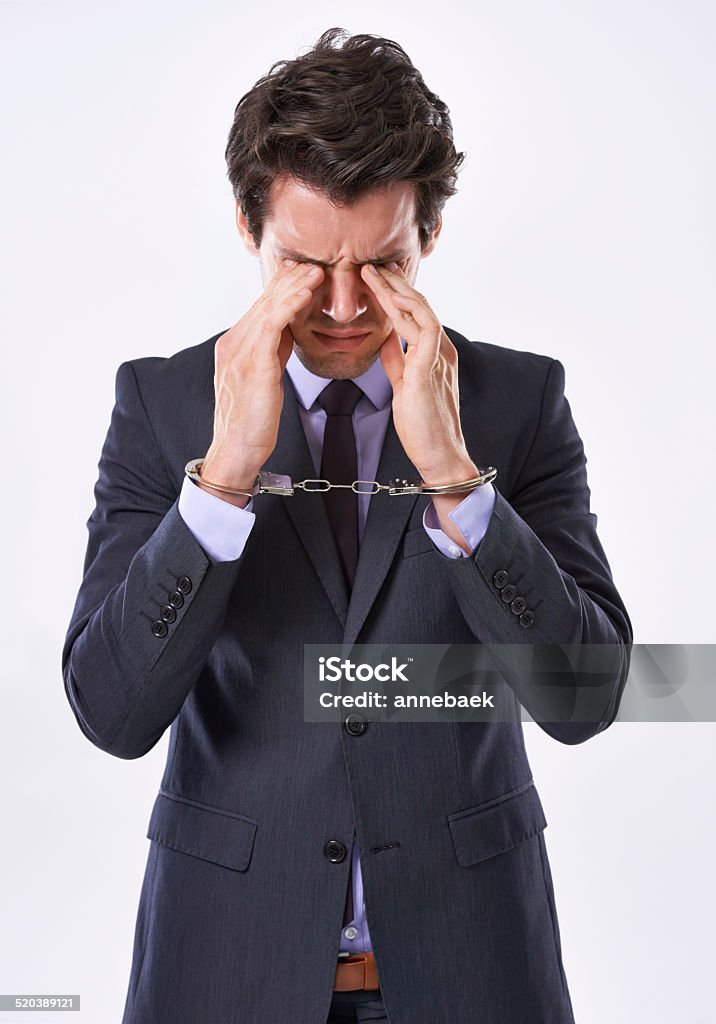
426	400
249	363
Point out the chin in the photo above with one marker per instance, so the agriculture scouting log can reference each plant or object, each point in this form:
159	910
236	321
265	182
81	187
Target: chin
336	365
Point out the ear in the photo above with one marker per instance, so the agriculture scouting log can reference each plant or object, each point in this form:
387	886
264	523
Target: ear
432	242
246	236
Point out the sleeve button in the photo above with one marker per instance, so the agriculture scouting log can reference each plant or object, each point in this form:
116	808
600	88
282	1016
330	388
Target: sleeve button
518	605
508	593
500	579
168	613
184	585
160	629
176	599
527	618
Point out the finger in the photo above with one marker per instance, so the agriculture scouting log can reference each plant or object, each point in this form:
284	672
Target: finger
301	280
393	359
285	292
293	292
392	276
414	308
391	285
382	280
380	288
402	315
284	268
417	313
285	348
290	270
277	305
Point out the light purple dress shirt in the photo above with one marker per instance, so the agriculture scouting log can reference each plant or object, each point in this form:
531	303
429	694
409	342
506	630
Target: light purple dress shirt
222	529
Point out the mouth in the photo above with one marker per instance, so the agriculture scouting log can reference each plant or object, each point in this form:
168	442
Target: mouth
342	342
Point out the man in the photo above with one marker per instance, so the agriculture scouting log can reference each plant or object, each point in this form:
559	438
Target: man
302	871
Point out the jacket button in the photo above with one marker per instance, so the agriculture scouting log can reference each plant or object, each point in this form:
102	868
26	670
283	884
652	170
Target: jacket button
355	725
335	851
176	599
168	613
508	593
160	629
183	584
518	605
527	618
500	579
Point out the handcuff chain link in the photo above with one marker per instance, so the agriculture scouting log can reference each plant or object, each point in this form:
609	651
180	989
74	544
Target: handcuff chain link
373	484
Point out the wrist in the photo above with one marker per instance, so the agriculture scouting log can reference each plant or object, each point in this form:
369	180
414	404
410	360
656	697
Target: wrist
444	504
451	473
239	500
214	471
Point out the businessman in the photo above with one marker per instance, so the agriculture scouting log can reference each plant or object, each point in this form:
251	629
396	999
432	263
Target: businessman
304	872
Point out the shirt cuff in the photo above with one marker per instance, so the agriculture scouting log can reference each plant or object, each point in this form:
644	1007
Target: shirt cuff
471	516
221	528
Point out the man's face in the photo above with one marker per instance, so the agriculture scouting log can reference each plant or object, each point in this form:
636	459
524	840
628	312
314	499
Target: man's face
304	226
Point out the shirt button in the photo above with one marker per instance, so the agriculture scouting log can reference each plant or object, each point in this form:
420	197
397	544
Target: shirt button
350	932
453	550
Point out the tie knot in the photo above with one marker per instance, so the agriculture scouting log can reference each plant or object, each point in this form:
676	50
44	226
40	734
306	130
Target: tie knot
340	397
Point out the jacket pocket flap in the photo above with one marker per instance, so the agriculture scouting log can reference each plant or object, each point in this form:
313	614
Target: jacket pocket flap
494	827
222	837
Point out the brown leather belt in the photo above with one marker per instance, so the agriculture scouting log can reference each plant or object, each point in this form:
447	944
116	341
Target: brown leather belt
357	971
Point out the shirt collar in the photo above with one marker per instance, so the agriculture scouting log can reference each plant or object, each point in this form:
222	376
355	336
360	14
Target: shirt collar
374	382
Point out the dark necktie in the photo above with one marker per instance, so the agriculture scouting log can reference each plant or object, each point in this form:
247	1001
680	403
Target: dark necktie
339	464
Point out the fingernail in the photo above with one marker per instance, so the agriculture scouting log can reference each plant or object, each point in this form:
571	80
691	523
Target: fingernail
373	268
313	271
393	266
289	263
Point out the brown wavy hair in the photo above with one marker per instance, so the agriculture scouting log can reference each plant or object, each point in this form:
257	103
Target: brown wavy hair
343	120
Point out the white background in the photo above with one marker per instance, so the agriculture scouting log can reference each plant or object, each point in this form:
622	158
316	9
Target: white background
584	229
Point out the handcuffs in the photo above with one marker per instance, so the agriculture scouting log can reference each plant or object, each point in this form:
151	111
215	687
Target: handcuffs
277	483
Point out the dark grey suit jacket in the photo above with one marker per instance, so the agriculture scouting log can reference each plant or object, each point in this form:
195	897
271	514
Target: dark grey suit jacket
240	911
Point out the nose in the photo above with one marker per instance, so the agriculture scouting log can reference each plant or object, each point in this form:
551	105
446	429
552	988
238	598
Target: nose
343	295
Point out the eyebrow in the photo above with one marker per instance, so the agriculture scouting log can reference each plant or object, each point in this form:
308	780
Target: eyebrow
290	254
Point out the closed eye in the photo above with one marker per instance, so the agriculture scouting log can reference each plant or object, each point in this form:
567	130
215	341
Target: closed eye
398	258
